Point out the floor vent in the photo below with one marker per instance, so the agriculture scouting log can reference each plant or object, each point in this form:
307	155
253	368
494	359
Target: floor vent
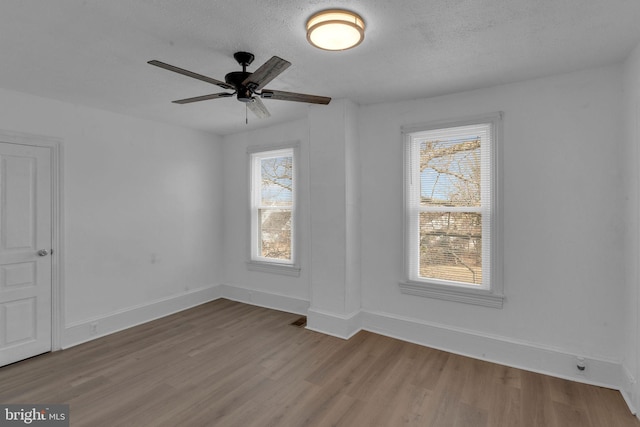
301	322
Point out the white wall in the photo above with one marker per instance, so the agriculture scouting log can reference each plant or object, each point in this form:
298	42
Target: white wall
155	217
563	226
154	212
142	210
262	288
631	308
328	209
563	251
335	218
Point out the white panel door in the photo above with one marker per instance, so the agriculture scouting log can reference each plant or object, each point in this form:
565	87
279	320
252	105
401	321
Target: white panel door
25	251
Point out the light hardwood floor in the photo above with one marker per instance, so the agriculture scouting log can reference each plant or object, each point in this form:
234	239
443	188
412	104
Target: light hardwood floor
230	364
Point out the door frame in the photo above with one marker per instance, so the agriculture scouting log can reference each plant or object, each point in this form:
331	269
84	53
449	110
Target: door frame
57	272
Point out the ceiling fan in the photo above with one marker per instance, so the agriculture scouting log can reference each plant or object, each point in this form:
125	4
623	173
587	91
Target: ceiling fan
248	87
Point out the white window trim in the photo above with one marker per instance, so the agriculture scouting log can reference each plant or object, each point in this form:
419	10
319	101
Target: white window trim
266	265
489	297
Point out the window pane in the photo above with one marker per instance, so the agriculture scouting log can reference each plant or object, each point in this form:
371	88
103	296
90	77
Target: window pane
275	233
450	171
451	246
277	181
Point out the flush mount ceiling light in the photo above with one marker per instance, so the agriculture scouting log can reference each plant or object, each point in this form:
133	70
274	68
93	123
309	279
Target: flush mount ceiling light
335	29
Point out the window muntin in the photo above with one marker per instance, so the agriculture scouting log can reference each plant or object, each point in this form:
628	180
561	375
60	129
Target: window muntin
450	204
272	206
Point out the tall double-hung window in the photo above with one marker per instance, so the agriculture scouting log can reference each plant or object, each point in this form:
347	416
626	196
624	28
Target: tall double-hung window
452	211
273	207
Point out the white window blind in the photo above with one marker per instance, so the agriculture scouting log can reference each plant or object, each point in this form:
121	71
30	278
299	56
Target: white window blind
272	206
450	205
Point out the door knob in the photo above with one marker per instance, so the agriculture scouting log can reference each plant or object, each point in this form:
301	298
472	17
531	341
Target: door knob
43	252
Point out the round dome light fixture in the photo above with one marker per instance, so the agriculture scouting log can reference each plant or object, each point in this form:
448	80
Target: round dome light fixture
335	29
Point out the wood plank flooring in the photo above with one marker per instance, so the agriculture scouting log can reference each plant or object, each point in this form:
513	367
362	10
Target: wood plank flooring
230	364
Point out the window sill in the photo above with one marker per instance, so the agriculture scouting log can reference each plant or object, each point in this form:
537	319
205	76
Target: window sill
452	293
275	268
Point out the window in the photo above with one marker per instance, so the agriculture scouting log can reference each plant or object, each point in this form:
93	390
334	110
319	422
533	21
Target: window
453	242
273	206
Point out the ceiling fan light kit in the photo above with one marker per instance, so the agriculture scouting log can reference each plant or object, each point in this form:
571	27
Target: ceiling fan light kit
335	29
248	87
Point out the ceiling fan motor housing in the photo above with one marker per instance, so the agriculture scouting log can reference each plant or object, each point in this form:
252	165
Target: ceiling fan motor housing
236	78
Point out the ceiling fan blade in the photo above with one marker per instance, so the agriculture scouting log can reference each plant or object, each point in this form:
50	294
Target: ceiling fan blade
267	72
191	74
203	98
258	108
292	96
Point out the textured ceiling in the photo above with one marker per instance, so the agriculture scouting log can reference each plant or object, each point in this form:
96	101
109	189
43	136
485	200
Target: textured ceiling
94	52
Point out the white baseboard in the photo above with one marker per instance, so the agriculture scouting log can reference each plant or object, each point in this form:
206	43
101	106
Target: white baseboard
629	390
339	325
505	351
90	329
501	350
264	299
